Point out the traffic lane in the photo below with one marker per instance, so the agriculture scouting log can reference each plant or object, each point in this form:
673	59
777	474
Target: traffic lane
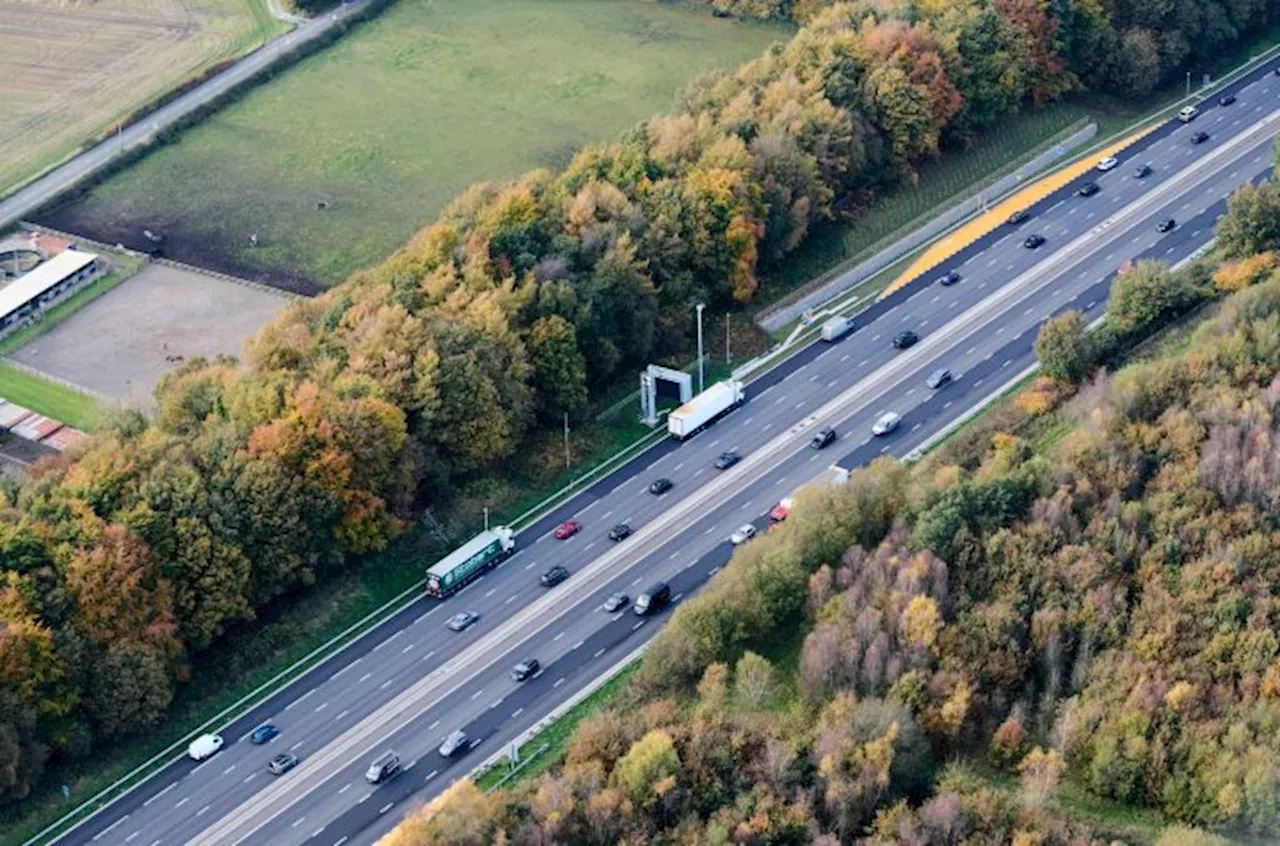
519	708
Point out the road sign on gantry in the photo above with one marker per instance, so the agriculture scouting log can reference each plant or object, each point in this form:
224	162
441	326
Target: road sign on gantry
657	380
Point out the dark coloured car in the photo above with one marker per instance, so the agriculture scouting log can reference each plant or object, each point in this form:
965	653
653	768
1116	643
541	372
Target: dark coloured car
1226	99
526	669
905	339
1020	216
567	529
1033	241
462	620
616	602
620	532
1166	224
725	460
660	486
1199	137
263	733
554	576
1088	189
282	763
938	378
949	278
1142	171
823	438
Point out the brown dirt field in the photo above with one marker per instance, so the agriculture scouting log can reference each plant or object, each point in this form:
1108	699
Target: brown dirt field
68	70
118	344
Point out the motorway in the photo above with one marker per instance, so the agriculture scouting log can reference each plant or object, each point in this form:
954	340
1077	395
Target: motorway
43	189
409	682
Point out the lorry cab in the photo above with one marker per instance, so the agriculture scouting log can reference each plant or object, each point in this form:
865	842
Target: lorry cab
652	600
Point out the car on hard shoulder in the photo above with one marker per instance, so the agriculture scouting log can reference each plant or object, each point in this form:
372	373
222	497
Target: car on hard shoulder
1167	224
951	277
905	339
1020	216
1088	189
823	438
567	529
620	532
263	733
526	669
1199	137
463	620
938	378
616	602
1188	114
456	742
660	486
742	534
1108	163
1033	242
282	763
554	576
886	423
727	459
1142	171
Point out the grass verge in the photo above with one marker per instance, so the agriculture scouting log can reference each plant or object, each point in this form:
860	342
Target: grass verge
49	398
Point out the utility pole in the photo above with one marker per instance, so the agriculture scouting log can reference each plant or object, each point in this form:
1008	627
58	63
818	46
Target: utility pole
1188	83
486	518
566	440
727	358
701	386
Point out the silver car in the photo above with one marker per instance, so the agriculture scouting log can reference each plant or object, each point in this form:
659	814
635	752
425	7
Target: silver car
453	744
887	423
938	378
744	533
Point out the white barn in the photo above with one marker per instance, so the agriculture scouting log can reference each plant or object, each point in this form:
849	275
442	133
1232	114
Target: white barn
47	283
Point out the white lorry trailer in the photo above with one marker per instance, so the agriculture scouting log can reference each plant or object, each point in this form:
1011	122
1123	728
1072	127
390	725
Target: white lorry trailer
706	408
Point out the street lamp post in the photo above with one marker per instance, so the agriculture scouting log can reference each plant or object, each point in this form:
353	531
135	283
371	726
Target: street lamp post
701	386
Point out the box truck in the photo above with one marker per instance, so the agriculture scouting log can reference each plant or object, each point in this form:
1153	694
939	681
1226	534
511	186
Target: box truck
706	408
478	555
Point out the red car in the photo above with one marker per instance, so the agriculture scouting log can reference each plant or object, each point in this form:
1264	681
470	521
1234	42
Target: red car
568	529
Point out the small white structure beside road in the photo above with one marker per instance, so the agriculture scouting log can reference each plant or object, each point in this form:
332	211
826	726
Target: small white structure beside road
46	283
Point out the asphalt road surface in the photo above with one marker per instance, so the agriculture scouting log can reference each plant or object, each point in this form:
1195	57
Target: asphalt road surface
42	190
410	682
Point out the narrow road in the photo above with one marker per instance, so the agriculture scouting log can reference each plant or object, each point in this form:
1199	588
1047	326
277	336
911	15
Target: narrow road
35	194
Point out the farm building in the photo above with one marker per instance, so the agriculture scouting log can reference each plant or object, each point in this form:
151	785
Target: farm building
37	428
48	282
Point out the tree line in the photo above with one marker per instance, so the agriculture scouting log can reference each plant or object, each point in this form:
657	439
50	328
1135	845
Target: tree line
1103	610
124	560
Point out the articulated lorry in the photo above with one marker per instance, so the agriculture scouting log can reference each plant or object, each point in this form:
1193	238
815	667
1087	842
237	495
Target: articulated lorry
706	408
478	555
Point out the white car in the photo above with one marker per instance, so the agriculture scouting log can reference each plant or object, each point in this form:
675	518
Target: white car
1108	163
1188	114
204	746
887	423
744	533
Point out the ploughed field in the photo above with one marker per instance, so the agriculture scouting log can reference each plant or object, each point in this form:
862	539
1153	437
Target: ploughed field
68	70
334	164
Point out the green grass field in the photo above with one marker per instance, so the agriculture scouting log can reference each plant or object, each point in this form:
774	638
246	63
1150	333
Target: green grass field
392	122
69	406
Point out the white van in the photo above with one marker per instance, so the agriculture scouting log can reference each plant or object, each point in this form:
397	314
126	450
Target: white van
204	746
